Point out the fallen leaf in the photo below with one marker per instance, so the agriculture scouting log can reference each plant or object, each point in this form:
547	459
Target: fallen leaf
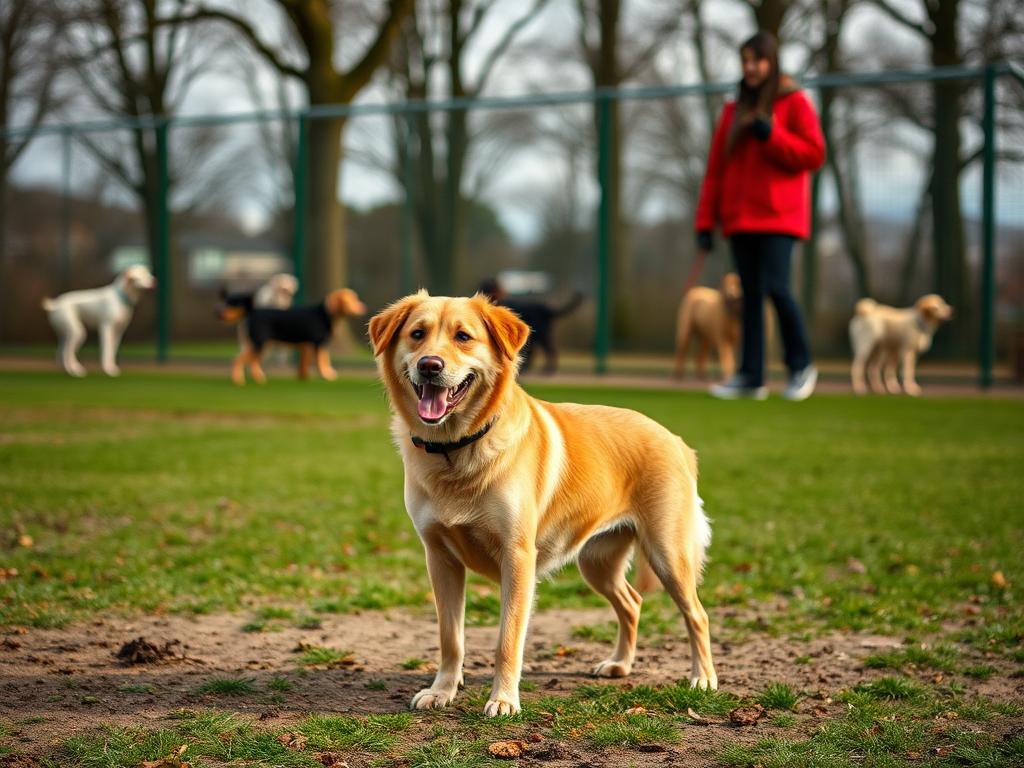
999	581
172	760
25	540
507	750
294	741
746	715
699	719
331	759
563	650
637	711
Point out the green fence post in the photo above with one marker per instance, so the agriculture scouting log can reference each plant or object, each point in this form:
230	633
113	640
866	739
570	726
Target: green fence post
299	207
161	258
407	209
988	267
65	210
601	342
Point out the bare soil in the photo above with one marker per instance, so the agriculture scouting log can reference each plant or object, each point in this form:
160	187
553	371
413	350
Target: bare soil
55	683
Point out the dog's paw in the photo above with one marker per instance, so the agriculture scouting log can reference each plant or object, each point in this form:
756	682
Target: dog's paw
77	371
330	375
912	389
612	668
113	371
501	706
704	683
430	698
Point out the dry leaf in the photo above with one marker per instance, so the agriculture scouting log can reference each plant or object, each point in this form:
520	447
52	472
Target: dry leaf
294	741
507	750
999	581
637	711
25	540
698	719
746	715
331	759
172	760
563	650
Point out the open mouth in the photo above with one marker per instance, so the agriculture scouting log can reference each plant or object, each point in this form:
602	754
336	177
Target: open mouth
437	402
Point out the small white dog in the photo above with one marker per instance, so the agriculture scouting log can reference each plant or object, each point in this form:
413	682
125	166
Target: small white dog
884	337
108	309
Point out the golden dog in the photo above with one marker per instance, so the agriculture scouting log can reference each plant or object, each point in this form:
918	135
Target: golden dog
712	316
883	337
514	487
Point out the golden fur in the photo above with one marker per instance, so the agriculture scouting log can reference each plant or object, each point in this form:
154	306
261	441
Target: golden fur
884	337
548	483
712	316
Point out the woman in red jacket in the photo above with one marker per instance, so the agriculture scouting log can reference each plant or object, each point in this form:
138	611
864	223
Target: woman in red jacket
757	189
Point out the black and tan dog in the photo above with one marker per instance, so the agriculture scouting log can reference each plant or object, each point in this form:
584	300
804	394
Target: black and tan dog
309	328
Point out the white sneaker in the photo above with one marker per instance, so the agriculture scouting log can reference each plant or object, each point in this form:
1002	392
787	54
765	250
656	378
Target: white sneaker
801	384
736	388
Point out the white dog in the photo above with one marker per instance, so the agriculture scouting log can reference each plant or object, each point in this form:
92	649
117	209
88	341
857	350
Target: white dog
884	337
108	309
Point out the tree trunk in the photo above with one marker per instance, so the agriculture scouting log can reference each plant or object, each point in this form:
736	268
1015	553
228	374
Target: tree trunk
325	262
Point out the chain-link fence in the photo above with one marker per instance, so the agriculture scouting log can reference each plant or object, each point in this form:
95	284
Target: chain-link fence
590	193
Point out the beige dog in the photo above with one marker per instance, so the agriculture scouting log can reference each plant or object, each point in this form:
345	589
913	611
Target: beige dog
884	337
712	316
513	488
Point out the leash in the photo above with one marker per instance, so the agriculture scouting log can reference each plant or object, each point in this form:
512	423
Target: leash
445	448
695	269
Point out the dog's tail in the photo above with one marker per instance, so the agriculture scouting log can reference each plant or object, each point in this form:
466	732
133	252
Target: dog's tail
865	307
570	305
49	304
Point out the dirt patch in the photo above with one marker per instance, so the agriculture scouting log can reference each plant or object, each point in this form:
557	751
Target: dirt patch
55	683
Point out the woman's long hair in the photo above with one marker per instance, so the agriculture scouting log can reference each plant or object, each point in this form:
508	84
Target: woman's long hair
759	100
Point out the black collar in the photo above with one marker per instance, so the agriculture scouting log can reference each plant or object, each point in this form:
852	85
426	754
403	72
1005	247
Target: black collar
446	448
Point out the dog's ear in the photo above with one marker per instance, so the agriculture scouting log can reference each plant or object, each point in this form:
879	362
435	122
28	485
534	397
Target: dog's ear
386	324
506	330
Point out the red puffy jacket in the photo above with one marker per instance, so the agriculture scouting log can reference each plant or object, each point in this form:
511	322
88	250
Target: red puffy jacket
763	186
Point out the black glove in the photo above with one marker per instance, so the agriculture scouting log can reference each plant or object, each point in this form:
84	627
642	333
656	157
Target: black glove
705	240
761	128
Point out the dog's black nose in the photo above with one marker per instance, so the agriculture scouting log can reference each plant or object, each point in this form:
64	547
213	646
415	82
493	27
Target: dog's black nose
430	366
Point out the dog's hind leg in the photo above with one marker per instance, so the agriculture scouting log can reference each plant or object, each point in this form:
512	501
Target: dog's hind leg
256	365
703	351
238	366
889	366
305	358
603	562
675	555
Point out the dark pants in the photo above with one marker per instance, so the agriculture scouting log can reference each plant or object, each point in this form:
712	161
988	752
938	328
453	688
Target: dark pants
763	262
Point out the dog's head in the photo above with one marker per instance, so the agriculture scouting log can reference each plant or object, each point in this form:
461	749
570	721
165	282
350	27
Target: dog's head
732	292
344	302
138	277
933	309
447	360
233	306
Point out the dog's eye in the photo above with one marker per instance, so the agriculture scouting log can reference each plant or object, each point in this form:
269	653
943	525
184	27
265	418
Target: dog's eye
463	336
417	334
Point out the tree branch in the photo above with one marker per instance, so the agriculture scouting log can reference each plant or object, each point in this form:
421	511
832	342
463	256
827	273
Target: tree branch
360	74
510	34
898	16
248	32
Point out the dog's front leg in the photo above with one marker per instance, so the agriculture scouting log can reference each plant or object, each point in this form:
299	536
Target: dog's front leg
910	385
448	580
518	578
110	338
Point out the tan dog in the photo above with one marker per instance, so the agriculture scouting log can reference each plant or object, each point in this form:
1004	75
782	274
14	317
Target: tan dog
513	488
883	337
712	316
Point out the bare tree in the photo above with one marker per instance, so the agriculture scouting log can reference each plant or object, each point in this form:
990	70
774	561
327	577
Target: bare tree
439	146
612	60
130	63
314	27
28	67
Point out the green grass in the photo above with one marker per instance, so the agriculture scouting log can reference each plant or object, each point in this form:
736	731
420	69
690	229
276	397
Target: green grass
165	471
319	656
183	494
228	686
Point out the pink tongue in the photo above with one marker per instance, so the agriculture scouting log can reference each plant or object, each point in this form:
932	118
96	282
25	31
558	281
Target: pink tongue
434	402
